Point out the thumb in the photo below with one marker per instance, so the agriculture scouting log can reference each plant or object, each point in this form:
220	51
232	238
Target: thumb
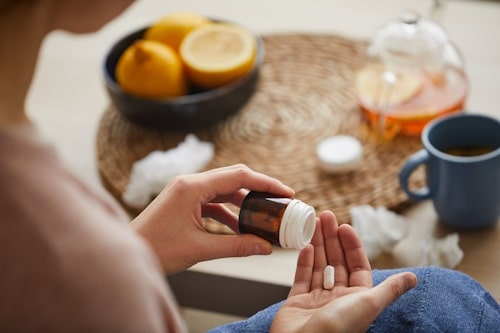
373	301
356	311
392	288
224	246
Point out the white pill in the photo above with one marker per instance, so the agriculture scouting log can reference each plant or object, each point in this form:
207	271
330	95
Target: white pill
328	277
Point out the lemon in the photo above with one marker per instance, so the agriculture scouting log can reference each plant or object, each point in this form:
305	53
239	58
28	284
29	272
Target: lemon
172	28
373	89
217	54
151	69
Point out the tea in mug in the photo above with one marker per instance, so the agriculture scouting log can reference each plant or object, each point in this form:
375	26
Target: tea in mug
468	151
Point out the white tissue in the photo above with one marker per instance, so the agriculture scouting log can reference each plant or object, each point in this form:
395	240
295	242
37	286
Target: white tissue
150	174
381	230
443	252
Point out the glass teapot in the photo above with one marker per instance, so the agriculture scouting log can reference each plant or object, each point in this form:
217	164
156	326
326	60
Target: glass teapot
414	73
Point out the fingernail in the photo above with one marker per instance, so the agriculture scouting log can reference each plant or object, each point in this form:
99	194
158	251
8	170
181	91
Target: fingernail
410	281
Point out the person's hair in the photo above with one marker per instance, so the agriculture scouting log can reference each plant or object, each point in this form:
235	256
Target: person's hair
6	4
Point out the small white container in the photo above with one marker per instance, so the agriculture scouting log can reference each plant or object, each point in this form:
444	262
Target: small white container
339	154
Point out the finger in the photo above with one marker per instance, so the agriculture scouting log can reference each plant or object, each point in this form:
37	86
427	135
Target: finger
222	214
236	198
333	247
357	262
303	272
320	260
230	179
227	167
231	246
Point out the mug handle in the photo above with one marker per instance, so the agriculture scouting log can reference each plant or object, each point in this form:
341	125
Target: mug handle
415	160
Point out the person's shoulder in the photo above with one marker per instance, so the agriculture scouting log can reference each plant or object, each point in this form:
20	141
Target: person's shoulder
69	261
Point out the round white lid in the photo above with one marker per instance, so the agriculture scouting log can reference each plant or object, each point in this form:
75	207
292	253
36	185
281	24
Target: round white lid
340	153
297	225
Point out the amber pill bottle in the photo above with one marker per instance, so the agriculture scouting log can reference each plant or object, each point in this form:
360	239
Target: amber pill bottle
285	222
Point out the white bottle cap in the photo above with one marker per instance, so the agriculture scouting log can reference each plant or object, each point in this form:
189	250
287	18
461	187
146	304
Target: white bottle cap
297	225
339	154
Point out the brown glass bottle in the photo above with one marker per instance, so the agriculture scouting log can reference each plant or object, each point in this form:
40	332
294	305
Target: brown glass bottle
284	222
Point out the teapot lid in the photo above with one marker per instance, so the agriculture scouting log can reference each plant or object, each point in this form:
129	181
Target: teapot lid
410	40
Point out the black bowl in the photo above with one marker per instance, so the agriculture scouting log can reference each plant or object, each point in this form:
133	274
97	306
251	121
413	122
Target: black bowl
197	110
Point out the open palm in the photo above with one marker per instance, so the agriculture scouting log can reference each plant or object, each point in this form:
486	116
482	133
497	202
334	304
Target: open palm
353	303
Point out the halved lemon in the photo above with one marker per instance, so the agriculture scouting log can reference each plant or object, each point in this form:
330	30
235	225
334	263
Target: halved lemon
217	54
373	89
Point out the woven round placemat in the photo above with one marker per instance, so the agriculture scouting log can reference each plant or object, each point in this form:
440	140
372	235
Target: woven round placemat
305	93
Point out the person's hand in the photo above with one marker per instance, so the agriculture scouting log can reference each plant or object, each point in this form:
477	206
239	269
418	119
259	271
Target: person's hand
353	303
172	223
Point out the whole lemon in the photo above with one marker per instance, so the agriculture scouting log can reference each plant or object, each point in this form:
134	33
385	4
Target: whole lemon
172	28
151	69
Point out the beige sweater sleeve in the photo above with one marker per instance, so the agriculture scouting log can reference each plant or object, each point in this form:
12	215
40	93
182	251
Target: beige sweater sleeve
69	261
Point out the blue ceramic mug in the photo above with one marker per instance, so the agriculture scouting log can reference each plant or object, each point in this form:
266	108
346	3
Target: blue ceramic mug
461	156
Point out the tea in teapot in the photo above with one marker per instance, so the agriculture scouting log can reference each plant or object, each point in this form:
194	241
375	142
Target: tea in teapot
414	73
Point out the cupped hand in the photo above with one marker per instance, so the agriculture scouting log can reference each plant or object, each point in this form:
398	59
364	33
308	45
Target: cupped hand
173	225
353	303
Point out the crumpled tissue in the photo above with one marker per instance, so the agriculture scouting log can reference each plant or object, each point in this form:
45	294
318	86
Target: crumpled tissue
152	173
381	230
378	228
